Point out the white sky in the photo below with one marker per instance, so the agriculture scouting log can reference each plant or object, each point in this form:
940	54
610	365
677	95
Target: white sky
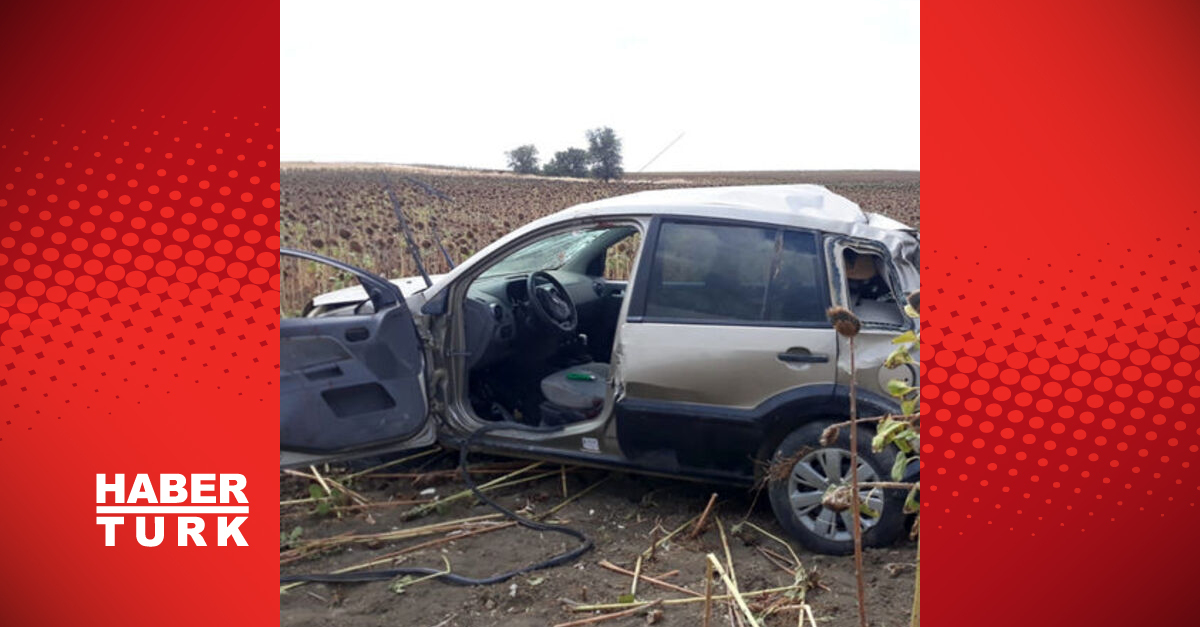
794	85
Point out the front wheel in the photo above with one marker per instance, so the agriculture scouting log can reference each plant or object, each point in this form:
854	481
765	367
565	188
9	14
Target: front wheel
803	470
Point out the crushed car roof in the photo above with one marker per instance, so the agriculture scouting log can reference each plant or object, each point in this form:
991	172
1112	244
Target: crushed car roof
805	206
800	206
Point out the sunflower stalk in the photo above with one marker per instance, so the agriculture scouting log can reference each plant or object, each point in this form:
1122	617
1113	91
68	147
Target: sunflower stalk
848	325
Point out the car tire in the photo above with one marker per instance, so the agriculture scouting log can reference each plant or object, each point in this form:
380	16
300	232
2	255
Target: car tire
798	475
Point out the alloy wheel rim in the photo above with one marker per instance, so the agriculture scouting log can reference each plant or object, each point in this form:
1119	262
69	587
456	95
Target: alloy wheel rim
817	472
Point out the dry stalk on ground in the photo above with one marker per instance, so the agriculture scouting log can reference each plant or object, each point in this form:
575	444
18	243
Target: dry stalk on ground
703	517
657	581
603	617
663	540
455	530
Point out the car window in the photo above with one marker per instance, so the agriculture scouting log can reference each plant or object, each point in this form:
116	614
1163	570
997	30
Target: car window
870	294
796	292
545	254
301	279
618	258
734	273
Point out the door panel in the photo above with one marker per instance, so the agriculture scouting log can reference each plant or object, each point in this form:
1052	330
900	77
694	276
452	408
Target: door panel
352	381
695	395
731	366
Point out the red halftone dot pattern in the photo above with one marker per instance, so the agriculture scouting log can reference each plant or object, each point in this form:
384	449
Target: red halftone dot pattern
1045	387
116	291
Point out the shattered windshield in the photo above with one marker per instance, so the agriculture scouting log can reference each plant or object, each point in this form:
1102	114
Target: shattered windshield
546	254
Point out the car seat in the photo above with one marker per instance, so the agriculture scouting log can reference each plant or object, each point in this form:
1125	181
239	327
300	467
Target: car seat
574	394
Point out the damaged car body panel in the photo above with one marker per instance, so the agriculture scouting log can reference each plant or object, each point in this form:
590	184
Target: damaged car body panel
676	332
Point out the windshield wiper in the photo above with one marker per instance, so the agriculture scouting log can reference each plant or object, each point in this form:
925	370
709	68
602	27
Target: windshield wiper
408	237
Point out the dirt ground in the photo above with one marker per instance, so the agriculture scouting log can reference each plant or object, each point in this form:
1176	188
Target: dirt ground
624	515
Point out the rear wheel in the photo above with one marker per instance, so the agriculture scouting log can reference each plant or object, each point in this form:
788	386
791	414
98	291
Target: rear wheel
803	471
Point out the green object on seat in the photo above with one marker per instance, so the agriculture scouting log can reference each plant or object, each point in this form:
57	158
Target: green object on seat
580	376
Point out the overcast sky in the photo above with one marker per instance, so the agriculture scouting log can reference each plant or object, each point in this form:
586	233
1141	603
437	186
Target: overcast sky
758	85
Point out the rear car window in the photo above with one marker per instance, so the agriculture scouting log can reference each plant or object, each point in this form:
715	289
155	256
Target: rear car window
795	292
869	292
707	272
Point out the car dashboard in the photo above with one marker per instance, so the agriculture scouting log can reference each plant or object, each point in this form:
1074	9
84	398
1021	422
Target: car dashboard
499	321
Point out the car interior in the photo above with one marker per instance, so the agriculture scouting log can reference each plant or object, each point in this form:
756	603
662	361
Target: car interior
540	326
871	297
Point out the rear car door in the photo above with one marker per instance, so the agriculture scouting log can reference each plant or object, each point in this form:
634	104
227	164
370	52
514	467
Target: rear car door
352	381
867	281
726	322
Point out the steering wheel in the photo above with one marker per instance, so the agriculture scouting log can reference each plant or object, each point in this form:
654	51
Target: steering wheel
551	303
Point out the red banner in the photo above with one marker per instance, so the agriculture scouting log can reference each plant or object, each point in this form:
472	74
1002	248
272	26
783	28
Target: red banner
1059	365
139	245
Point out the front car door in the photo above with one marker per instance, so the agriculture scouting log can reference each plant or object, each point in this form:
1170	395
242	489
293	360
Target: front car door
726	323
354	381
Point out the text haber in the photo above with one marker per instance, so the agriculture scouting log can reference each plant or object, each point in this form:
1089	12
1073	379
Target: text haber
186	497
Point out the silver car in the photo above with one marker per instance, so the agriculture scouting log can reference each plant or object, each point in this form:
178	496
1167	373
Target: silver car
677	332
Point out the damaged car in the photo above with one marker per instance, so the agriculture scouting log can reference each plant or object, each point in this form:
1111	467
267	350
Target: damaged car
680	333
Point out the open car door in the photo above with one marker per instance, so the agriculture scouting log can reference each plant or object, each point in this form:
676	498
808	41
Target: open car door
351	384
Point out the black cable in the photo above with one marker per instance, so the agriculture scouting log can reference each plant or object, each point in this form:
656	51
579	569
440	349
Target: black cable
459	580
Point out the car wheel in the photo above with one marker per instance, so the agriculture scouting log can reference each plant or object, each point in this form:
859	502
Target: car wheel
803	469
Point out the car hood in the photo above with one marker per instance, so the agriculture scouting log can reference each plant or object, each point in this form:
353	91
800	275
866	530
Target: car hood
408	286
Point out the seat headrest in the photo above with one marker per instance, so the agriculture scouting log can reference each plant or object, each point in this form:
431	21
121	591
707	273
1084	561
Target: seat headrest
860	267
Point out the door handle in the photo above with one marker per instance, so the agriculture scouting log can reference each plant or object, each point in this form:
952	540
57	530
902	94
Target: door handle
804	358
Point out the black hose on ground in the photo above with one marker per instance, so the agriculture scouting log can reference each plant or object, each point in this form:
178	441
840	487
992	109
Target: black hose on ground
460	580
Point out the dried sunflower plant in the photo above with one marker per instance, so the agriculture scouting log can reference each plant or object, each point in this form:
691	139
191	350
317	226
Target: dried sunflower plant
903	431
